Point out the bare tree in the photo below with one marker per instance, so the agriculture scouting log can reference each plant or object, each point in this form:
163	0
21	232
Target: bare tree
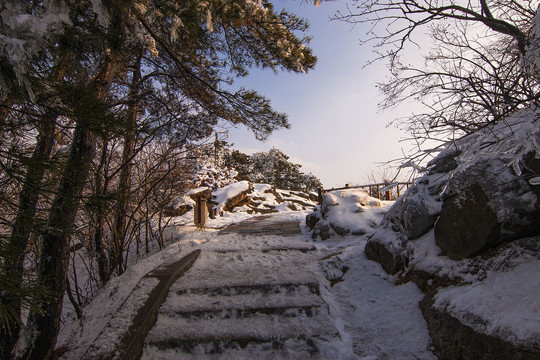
476	71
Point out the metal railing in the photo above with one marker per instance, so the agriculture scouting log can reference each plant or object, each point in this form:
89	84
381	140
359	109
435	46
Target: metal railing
382	191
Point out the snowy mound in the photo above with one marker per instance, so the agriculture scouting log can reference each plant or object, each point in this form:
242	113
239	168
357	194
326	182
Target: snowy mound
468	234
245	197
259	199
347	212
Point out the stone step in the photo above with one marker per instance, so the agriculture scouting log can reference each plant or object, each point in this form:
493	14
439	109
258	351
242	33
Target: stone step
195	307
285	311
283	288
258	326
216	335
258	228
299	347
271	249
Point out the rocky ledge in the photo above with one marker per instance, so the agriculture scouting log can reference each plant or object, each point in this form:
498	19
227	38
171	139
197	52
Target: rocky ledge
468	234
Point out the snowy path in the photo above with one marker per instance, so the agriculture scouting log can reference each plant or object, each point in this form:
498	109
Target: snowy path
376	319
249	296
260	290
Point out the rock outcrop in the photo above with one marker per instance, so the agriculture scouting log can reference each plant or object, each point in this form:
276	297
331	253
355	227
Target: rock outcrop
468	234
454	340
346	212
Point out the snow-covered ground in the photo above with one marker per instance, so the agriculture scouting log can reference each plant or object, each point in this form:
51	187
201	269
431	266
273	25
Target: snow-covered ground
375	318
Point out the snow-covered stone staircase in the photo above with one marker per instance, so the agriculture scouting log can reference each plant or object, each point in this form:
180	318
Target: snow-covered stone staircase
257	300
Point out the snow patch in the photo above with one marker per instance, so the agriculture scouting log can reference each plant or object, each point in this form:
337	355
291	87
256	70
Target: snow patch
507	303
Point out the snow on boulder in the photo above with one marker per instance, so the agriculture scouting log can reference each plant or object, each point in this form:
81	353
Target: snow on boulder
202	192
488	199
347	212
411	216
243	196
468	234
231	196
496	316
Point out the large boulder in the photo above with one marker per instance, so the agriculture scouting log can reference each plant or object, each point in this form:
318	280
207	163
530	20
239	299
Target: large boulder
485	206
454	340
492	315
392	259
445	162
346	212
322	230
312	219
416	211
232	196
467	225
412	215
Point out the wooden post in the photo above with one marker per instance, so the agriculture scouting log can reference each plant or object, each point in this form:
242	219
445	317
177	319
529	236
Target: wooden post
200	213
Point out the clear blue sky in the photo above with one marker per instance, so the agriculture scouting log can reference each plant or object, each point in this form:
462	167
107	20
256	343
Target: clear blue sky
337	131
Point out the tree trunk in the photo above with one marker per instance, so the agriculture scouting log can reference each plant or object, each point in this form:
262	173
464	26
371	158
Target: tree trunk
124	186
24	221
54	259
28	199
43	327
101	188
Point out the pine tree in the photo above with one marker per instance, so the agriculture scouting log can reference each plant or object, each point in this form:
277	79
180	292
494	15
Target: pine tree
193	49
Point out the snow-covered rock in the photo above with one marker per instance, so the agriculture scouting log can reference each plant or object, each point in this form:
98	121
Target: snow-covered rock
231	196
468	234
347	212
244	196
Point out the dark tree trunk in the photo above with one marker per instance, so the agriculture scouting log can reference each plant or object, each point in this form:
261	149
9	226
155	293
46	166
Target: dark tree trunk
120	226
54	258
24	221
28	198
42	327
101	189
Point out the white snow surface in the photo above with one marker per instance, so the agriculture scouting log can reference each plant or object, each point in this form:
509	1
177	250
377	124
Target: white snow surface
375	318
225	193
355	210
505	303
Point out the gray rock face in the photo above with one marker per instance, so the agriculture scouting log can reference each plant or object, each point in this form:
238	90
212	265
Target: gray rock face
467	225
391	261
322	230
411	217
444	163
312	219
486	205
454	340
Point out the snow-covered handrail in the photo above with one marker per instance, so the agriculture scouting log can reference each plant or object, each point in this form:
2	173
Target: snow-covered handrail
374	190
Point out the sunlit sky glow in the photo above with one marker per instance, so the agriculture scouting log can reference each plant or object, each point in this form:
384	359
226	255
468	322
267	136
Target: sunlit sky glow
337	131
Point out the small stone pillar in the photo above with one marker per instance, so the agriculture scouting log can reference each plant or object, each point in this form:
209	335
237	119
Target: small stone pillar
200	213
